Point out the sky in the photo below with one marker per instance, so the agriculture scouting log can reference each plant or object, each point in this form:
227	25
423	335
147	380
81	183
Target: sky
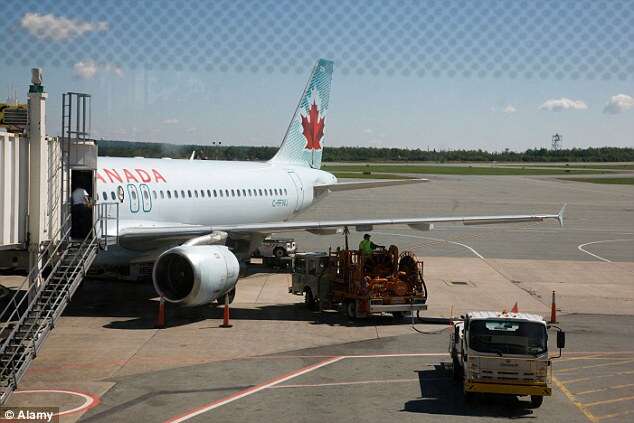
417	74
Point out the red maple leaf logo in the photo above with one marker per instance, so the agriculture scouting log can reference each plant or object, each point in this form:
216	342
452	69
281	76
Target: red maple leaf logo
313	128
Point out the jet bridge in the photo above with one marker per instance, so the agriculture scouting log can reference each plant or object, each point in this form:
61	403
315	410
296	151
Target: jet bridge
37	177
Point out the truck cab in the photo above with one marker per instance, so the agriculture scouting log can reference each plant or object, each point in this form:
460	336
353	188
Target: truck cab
503	353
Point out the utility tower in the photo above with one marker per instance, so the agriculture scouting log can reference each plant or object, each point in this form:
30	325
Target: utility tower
557	141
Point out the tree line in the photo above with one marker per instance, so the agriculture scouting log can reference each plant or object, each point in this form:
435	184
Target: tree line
363	154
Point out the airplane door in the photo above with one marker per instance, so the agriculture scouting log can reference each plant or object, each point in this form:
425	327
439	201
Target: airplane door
133	194
146	198
299	190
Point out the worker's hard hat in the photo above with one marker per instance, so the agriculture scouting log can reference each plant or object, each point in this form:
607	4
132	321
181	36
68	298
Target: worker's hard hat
366	236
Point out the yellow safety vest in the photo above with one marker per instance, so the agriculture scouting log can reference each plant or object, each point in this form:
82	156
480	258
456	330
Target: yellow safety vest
365	246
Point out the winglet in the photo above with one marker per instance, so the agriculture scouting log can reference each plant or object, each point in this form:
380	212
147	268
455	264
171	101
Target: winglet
560	215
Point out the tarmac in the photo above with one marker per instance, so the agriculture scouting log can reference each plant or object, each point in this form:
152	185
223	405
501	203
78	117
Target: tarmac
105	361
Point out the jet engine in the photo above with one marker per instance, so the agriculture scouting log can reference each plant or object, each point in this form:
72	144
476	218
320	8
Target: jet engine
195	274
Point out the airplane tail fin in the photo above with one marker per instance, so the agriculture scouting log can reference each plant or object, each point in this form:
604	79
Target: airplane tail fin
303	142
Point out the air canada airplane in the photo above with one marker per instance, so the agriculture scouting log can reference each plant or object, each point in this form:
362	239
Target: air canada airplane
195	219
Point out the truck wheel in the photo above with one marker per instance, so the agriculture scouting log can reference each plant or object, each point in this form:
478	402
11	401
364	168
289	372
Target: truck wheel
536	401
469	397
456	370
309	299
279	252
351	310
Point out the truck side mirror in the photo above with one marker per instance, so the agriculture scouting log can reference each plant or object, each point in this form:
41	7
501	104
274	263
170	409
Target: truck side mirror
561	339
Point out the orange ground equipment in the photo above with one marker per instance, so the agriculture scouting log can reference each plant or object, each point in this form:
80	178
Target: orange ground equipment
384	281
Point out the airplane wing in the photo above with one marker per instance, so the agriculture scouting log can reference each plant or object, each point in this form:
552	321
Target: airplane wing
348	186
135	234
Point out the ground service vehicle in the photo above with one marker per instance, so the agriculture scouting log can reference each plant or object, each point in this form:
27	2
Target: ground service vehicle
503	353
385	281
276	248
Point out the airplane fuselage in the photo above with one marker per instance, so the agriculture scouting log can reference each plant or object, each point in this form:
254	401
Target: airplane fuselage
202	192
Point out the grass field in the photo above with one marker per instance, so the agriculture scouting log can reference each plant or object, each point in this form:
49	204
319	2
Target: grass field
376	170
615	167
612	181
359	175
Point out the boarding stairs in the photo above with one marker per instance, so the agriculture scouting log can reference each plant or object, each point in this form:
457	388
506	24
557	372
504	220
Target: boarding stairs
31	313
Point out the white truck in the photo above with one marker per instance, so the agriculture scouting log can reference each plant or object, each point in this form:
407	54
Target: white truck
503	353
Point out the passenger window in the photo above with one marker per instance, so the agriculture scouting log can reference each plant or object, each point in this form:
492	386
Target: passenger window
169	194
195	194
105	196
285	192
260	191
202	193
155	194
146	195
133	194
244	192
112	195
162	195
233	193
249	192
183	193
189	194
275	191
175	194
226	193
216	193
209	193
238	192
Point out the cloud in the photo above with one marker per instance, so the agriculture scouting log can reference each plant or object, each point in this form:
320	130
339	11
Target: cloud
85	70
59	28
618	104
509	109
88	69
559	104
170	121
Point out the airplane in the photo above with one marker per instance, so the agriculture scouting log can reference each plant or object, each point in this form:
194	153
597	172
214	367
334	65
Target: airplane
197	220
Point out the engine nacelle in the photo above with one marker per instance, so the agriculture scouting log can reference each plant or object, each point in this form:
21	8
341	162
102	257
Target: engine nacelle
195	275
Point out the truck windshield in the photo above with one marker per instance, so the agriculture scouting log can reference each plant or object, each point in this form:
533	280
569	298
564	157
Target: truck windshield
507	337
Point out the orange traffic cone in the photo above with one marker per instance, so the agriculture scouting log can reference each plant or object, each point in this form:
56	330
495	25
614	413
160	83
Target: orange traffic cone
514	309
225	314
553	310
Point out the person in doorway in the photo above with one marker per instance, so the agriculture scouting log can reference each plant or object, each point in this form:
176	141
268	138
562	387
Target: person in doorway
80	218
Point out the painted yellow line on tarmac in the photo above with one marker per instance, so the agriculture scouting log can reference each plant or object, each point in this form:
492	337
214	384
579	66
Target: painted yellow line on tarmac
572	399
609	388
572	369
620	414
583	379
608	401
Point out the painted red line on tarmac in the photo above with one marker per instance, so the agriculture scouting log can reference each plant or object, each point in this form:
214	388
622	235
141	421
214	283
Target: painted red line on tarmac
90	400
250	391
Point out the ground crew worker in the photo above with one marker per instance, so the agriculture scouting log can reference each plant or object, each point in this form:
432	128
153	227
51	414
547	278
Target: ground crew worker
366	247
80	214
